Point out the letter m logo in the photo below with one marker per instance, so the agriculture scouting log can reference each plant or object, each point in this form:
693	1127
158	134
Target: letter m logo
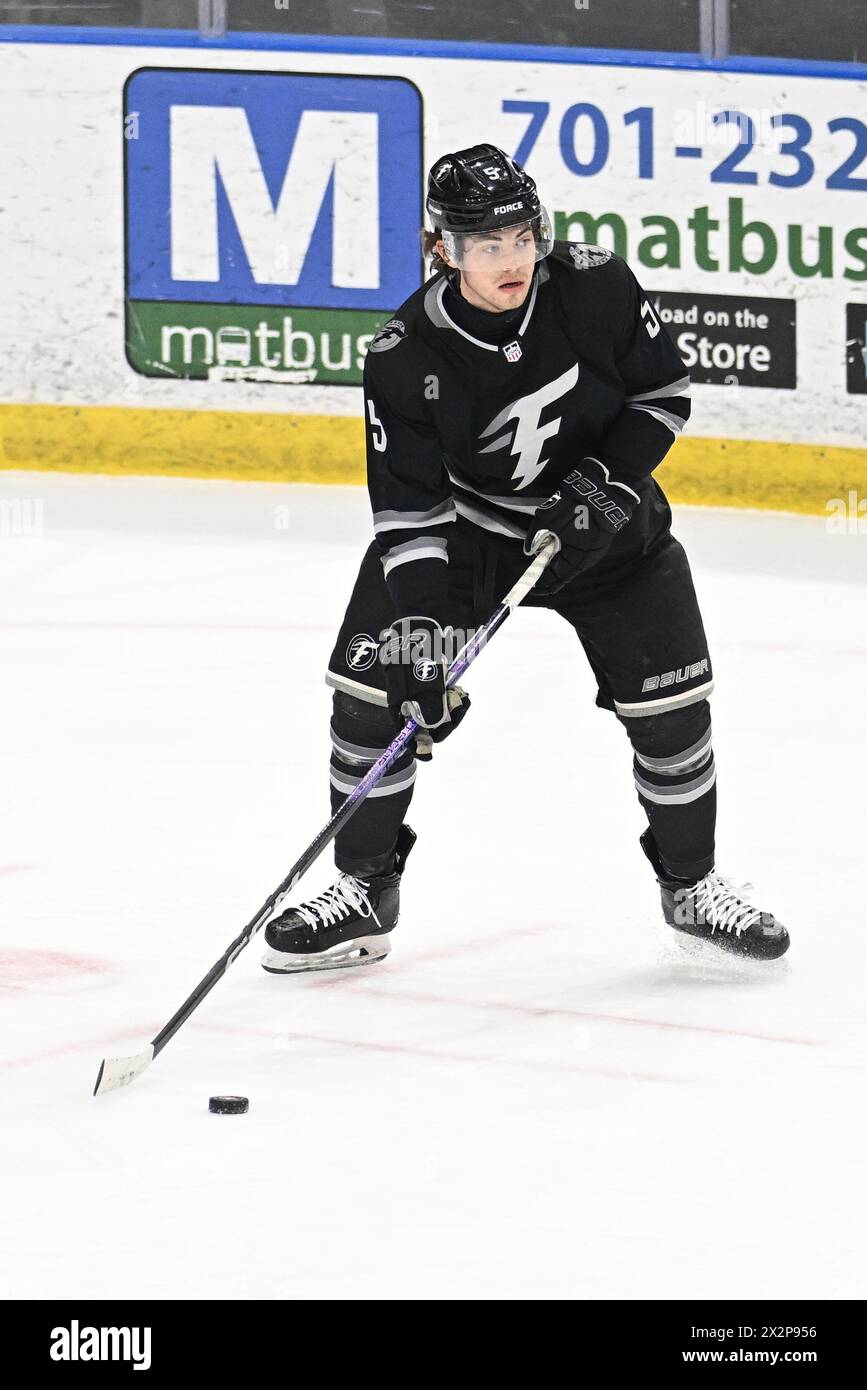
289	189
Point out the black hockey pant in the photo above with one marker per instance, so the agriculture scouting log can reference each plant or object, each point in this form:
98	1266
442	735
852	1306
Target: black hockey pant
644	638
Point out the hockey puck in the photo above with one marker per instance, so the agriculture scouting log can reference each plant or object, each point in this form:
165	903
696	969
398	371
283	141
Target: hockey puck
228	1105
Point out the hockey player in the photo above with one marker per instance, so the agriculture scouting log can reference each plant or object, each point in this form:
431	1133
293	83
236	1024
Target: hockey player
526	387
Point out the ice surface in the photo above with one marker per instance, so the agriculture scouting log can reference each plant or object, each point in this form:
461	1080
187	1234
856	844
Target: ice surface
539	1094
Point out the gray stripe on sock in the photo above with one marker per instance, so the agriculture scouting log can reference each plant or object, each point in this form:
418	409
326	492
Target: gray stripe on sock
679	795
678	762
386	786
355	752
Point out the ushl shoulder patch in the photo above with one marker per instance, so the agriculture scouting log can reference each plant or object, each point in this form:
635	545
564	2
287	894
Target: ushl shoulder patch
388	336
586	256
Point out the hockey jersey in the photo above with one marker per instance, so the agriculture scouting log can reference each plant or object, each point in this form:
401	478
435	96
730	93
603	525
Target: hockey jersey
462	428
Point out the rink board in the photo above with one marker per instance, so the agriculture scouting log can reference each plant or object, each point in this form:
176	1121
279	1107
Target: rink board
170	313
257	447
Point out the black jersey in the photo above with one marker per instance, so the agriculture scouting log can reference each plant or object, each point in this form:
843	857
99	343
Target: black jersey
483	429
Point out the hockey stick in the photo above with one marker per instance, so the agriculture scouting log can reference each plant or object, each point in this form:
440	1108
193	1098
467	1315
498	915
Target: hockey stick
121	1071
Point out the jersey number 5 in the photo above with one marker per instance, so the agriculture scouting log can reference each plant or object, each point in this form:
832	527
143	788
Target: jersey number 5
380	442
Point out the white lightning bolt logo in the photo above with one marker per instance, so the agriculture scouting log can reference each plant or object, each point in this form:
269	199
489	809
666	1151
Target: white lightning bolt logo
530	435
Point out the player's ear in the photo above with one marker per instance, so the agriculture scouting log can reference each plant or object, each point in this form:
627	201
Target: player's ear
443	254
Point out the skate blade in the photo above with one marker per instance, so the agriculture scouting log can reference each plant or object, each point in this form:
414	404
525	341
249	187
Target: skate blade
363	950
710	958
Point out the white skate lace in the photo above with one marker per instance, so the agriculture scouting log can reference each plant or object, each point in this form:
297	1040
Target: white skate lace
348	894
718	902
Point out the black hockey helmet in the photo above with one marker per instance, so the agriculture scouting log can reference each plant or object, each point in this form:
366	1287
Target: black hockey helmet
481	189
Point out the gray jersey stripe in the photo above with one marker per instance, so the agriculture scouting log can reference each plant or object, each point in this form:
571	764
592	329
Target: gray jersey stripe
528	504
677	388
430	551
530	307
433	307
422	548
488	522
417	543
674	422
397	521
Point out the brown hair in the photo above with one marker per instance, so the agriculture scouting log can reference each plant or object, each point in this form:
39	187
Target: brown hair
428	245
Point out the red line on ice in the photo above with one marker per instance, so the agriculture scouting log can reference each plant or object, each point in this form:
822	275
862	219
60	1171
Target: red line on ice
330	978
468	947
556	1011
23	968
540	1010
86	1045
278	1035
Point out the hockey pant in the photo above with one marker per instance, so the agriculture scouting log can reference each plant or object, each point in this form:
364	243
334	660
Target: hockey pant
643	636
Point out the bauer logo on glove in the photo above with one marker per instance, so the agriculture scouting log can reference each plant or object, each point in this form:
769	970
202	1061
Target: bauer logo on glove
585	514
607	505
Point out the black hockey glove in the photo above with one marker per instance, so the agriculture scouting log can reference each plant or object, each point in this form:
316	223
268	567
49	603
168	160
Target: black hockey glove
586	514
415	656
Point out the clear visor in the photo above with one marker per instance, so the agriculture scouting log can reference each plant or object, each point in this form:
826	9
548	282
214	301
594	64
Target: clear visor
502	247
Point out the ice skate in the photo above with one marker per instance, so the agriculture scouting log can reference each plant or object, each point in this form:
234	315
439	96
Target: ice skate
347	925
713	910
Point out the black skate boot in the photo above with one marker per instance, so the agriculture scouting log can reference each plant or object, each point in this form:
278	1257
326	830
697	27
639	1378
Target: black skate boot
712	909
348	924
